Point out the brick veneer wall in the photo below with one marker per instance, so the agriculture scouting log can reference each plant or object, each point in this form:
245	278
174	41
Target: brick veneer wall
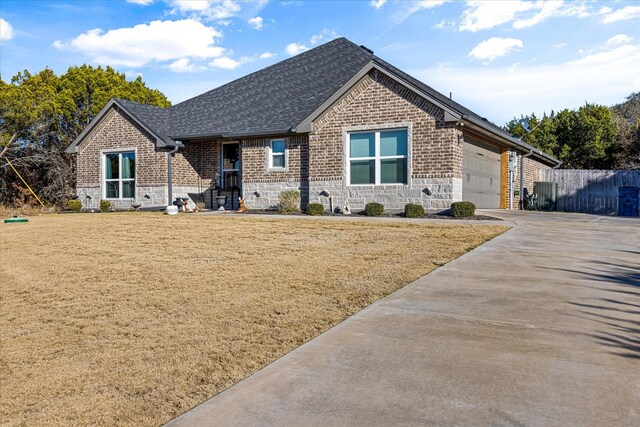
255	161
194	166
118	131
375	102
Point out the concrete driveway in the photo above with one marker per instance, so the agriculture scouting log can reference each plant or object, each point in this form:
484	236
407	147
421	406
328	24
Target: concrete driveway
540	326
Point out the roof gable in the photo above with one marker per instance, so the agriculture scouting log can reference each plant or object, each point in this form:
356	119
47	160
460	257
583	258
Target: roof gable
287	97
276	98
147	116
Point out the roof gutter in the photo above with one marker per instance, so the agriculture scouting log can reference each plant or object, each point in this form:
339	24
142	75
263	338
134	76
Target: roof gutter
512	142
225	135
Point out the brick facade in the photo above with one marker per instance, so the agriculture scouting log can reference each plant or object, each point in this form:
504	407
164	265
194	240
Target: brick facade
375	102
315	163
193	165
115	132
196	164
255	160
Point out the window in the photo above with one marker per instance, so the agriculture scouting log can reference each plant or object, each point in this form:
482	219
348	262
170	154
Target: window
378	157
230	165
277	159
119	175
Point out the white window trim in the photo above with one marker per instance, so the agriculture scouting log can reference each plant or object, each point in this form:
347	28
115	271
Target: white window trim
270	155
377	157
103	173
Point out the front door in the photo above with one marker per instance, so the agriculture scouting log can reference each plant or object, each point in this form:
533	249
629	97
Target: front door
231	166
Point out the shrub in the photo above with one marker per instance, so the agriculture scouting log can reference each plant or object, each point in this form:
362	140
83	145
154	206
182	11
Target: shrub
412	210
105	206
74	205
289	201
373	209
462	209
315	209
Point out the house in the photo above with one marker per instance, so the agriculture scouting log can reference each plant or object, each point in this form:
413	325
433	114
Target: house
336	123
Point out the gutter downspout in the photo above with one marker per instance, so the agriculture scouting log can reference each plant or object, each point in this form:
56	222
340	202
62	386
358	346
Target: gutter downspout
170	172
522	178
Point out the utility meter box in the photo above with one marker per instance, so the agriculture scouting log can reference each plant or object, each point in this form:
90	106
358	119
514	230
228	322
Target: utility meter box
513	161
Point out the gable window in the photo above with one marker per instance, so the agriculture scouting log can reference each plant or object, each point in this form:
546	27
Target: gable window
377	157
120	175
277	154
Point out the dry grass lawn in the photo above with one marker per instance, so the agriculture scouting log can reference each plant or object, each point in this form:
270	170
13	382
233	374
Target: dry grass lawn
134	318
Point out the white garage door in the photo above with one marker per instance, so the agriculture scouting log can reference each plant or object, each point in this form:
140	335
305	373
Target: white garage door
481	167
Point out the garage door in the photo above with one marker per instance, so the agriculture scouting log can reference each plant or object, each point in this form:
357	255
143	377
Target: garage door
481	174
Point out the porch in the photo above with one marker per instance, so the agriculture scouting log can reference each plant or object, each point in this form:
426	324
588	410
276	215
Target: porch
202	171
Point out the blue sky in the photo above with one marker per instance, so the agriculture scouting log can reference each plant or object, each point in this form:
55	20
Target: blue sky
499	58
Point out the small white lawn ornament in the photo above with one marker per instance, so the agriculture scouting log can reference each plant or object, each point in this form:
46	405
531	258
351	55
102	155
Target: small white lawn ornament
347	209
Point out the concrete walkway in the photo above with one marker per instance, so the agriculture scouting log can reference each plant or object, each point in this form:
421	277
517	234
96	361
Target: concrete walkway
540	326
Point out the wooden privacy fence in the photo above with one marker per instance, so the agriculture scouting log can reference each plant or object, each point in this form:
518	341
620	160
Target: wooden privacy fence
590	191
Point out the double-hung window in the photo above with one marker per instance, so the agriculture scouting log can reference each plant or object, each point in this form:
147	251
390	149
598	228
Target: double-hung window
120	175
377	157
277	154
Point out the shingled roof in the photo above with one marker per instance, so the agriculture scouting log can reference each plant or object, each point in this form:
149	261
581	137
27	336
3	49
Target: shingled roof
275	98
278	98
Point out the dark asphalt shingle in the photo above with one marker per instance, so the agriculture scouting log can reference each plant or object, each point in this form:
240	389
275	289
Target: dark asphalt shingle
278	97
274	98
156	118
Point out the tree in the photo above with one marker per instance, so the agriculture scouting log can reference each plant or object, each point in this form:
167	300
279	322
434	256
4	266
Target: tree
41	114
581	139
625	152
542	135
593	133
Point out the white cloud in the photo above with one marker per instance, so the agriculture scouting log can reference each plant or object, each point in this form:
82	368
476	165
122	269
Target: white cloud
226	63
256	22
409	8
495	47
559	45
483	15
604	10
500	93
6	30
140	2
377	4
549	9
182	65
295	48
577	9
207	9
190	5
324	35
158	41
627	12
619	39
267	55
612	55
